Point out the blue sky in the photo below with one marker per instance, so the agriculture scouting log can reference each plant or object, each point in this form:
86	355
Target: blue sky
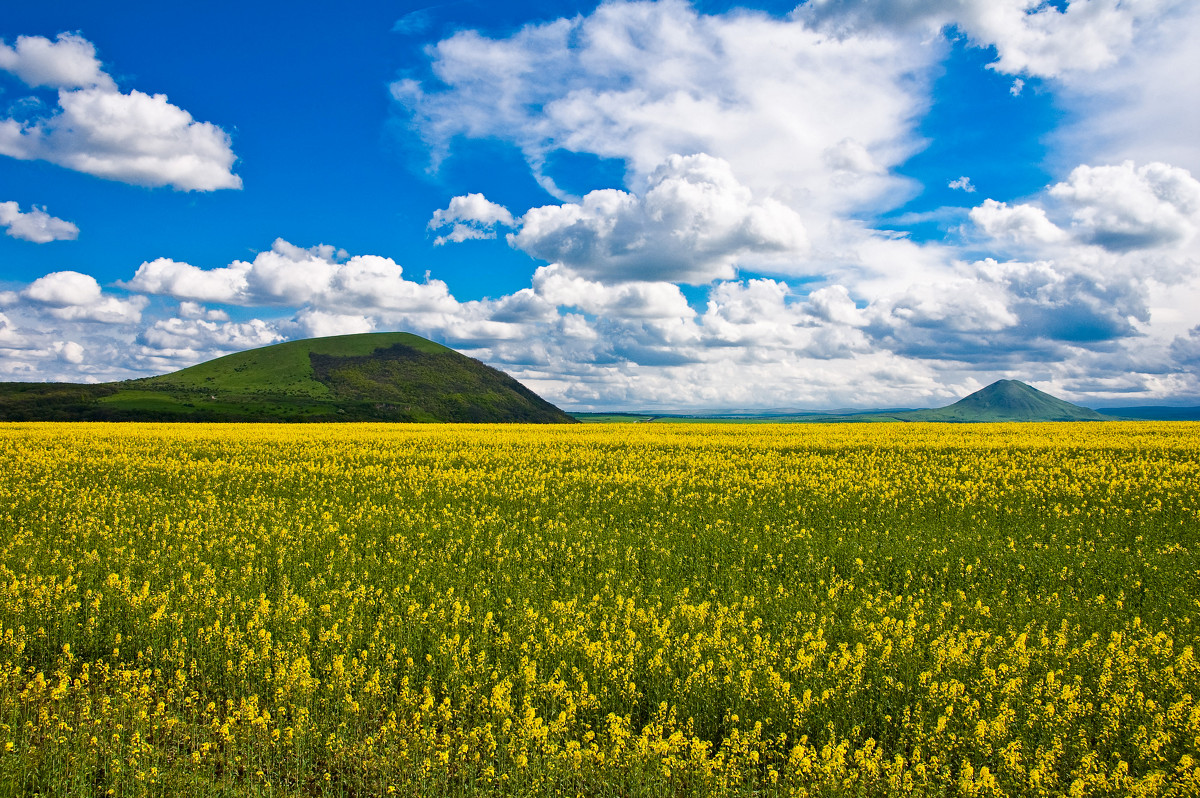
671	205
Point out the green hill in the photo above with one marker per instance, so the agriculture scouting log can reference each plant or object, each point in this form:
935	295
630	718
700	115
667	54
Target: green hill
1006	400
367	377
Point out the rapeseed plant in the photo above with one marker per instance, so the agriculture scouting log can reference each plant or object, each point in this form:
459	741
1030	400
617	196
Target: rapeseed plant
613	610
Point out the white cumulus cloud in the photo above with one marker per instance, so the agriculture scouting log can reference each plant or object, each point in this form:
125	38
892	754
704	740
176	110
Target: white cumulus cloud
631	300
10	336
372	281
35	225
203	335
97	129
74	296
183	280
471	216
1021	223
69	352
64	289
318	323
694	223
1125	207
67	62
1031	37
288	275
642	81
1153	209
1146	107
194	310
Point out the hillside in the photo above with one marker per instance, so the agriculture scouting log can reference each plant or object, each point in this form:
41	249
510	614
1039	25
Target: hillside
1007	400
366	377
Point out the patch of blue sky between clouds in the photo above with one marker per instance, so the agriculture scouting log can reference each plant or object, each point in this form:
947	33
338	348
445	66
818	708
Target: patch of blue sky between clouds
979	129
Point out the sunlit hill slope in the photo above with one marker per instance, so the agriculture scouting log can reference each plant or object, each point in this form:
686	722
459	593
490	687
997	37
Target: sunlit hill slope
1009	400
366	377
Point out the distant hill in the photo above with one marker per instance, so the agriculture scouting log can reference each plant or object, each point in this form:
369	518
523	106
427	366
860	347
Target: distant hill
367	377
1007	400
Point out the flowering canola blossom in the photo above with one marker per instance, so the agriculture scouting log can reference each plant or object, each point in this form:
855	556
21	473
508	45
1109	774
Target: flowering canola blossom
601	610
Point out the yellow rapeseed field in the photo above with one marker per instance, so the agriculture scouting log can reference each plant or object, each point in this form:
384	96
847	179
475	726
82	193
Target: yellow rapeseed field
891	609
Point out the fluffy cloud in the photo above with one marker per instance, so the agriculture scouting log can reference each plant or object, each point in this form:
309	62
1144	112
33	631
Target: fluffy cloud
631	300
37	225
1053	280
1145	107
201	335
1114	270
1059	301
1022	223
694	223
73	296
133	138
194	310
761	316
1125	207
641	81
1120	209
177	279
68	352
834	304
644	82
372	281
471	216
68	62
324	290
963	306
1102	263
64	289
914	315
757	343
1007	313
318	323
1031	37
10	336
287	275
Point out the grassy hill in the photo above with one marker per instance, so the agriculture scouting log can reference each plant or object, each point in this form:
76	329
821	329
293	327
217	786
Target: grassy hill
1004	400
367	377
1007	400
